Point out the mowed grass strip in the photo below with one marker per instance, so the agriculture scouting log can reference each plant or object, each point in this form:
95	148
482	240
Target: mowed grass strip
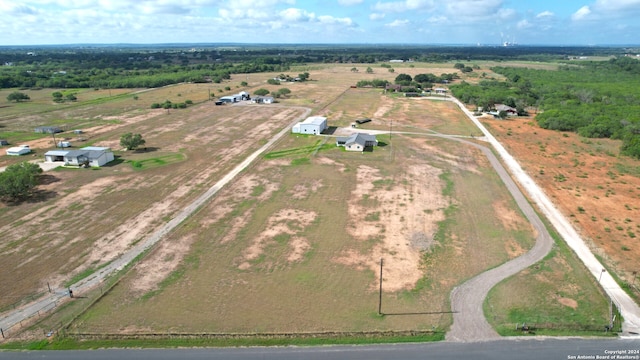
161	160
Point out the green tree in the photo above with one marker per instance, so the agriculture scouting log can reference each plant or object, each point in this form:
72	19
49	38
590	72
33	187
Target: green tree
369	70
273	82
18	96
261	92
354	69
18	181
403	79
304	76
131	141
57	96
244	83
71	97
283	92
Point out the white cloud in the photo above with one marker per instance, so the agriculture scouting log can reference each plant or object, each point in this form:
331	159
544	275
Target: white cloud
349	2
397	23
582	13
617	5
523	24
406	5
438	19
297	15
376	16
330	20
545	14
473	8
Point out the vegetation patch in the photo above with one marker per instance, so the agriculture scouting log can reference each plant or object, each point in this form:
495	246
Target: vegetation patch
162	160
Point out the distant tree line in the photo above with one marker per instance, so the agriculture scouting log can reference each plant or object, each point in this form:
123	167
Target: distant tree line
599	99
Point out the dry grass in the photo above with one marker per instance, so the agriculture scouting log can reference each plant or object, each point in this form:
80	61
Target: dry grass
431	207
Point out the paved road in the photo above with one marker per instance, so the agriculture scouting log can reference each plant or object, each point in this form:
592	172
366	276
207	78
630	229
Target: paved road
84	285
520	349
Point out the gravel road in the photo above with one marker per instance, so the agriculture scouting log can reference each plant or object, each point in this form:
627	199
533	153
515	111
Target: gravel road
469	323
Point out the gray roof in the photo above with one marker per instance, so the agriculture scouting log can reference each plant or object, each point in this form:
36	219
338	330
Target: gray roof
358	138
56	153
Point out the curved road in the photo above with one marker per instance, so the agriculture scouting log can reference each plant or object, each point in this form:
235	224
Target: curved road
629	310
469	322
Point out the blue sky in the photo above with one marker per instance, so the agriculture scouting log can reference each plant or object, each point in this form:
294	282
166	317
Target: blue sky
535	22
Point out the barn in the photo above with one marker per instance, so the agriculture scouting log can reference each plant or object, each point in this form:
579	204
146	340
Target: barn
312	125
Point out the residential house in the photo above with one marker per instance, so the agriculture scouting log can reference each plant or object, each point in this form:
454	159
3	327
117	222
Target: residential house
357	141
93	156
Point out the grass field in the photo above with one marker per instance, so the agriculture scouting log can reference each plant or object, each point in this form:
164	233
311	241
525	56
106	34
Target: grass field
294	243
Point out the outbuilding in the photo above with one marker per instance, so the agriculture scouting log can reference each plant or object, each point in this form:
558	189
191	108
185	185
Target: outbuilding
18	150
312	125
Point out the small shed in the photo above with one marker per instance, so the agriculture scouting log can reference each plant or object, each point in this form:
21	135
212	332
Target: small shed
3	142
18	150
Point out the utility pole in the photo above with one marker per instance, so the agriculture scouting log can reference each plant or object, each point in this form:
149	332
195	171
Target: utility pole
380	295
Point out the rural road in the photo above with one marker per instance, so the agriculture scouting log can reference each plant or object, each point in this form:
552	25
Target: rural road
629	310
52	300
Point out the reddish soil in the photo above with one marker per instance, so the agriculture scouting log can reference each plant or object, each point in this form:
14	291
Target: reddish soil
586	180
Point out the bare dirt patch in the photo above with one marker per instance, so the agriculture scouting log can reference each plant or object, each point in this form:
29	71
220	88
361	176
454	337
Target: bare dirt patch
284	222
159	264
404	218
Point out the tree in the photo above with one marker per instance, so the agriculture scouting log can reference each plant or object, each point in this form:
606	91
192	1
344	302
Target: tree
131	141
283	92
18	181
57	96
354	69
304	76
273	82
18	96
261	92
403	79
244	83
71	97
369	70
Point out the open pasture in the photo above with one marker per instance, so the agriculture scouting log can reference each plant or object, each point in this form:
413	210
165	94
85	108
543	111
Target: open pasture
294	243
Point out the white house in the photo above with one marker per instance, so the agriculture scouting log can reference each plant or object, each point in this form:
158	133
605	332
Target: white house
312	125
357	141
94	156
18	150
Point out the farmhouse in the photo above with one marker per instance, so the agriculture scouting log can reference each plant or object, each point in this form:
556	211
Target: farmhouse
94	156
312	125
357	142
18	150
508	109
440	91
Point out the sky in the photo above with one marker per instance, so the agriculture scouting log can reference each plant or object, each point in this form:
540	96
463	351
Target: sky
467	22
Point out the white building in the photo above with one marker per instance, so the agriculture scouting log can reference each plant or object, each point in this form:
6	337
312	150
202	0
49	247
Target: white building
312	125
93	156
18	150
